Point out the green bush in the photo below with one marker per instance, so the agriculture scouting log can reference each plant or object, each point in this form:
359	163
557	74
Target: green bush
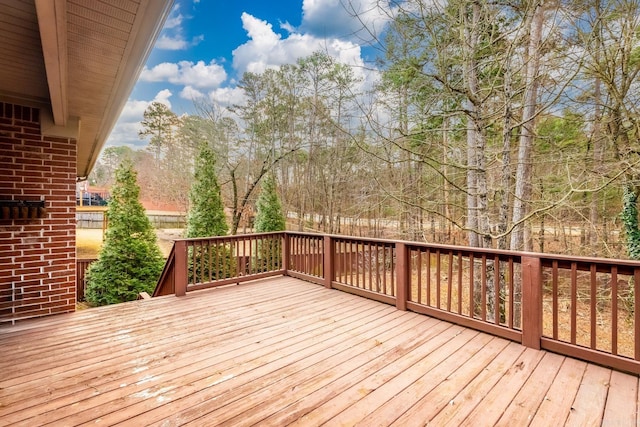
130	261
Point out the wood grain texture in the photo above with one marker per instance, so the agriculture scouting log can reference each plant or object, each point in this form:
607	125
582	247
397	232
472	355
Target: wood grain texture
281	351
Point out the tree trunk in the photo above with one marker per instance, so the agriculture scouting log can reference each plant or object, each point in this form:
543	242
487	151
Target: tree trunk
523	170
598	159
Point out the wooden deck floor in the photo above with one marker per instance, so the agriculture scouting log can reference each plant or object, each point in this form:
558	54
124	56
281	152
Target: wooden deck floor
285	352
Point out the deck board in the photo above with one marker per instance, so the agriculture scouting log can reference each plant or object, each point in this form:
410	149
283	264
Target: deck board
495	402
556	405
443	394
281	351
468	396
620	409
588	407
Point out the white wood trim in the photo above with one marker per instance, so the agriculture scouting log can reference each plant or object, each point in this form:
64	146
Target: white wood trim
52	22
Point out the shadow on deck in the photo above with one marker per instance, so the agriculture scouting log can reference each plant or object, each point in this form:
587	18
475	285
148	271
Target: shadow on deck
280	351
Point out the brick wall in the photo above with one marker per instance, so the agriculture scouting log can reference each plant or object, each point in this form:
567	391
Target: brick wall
37	256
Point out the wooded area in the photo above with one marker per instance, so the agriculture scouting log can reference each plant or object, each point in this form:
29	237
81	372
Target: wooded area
512	126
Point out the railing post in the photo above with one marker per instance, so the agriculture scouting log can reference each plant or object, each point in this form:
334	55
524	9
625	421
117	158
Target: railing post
328	266
286	252
180	272
636	313
531	302
402	276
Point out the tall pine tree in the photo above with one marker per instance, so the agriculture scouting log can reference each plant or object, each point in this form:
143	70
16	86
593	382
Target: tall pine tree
206	212
130	261
269	216
206	218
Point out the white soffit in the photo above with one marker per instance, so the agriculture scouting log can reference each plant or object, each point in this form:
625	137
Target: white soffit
78	59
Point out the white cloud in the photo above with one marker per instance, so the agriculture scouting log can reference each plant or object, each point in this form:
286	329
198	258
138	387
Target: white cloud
163	97
267	49
191	94
177	42
171	43
288	27
186	73
345	19
227	96
175	18
173	33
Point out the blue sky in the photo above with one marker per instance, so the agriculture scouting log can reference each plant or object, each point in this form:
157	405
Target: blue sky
207	45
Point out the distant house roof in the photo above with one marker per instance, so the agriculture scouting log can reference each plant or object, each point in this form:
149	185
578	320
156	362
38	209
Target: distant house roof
78	60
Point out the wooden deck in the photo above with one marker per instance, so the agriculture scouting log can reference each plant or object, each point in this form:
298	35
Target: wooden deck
281	351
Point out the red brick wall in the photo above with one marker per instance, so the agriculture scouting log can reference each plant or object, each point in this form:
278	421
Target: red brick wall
37	256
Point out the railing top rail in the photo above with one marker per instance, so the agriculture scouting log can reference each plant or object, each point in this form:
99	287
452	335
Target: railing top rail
545	258
231	237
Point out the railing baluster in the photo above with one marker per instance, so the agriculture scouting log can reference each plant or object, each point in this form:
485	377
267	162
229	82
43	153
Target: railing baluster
377	264
593	300
614	310
555	296
496	290
370	265
636	312
483	283
394	281
352	263
384	268
459	282
471	287
419	273
511	295
428	258
574	301
450	284
438	278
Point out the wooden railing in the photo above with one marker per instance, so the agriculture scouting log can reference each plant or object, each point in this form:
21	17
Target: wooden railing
589	309
196	264
82	264
581	307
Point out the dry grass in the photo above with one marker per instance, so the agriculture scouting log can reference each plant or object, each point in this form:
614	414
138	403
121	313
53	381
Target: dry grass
89	241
